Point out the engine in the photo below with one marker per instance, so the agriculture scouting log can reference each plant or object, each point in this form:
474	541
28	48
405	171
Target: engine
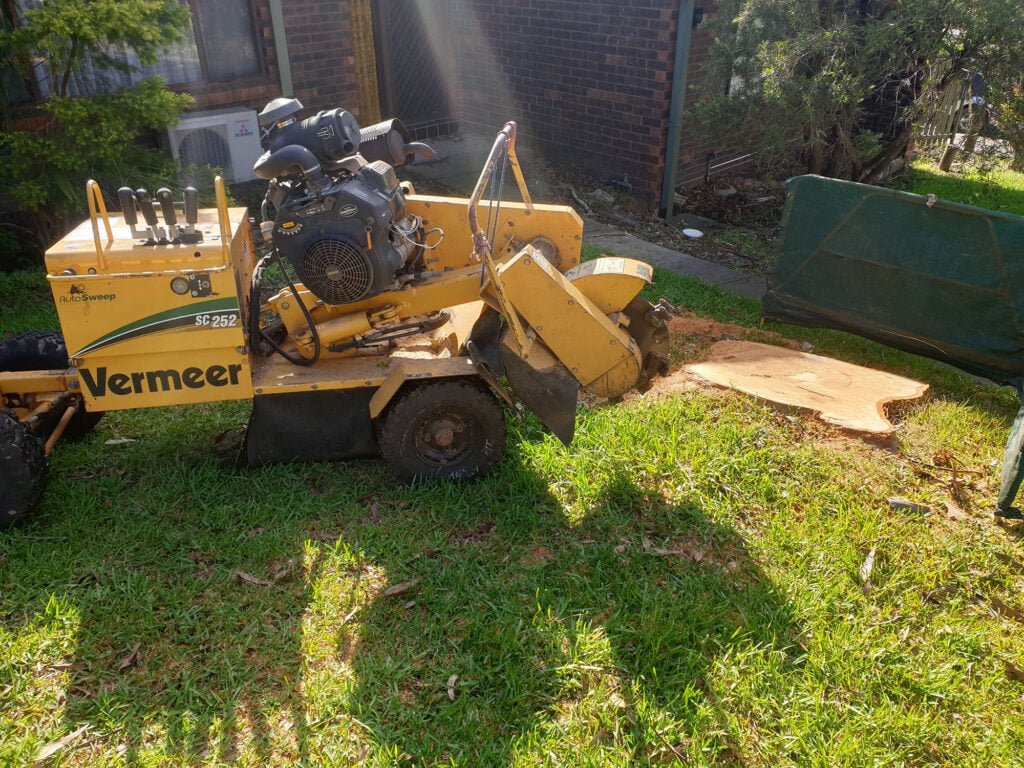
340	216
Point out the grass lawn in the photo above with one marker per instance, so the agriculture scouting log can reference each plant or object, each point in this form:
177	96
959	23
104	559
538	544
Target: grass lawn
687	584
994	187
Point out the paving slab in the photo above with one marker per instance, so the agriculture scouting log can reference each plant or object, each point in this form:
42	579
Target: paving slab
623	244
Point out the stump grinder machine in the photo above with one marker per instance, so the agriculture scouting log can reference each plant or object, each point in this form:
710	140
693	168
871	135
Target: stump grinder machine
380	322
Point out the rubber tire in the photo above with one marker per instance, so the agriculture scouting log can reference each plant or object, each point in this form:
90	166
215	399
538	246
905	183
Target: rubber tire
23	469
45	351
473	414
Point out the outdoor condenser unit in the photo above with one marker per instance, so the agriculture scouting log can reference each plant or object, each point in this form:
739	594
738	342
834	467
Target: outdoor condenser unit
228	139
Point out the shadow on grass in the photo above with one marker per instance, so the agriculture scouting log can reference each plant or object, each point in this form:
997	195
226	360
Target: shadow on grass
565	635
240	617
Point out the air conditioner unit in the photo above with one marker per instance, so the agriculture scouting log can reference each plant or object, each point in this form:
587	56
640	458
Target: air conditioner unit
228	139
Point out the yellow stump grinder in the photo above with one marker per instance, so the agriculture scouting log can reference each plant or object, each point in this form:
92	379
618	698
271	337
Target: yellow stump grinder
380	322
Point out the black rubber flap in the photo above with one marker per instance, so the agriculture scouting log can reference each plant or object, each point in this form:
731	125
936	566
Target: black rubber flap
551	392
311	426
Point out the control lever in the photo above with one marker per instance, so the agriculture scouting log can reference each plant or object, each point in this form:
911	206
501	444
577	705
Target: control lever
127	199
189	233
131	202
154	234
163	196
149	214
191	206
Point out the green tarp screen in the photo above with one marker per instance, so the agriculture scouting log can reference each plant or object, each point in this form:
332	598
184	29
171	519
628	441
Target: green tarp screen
935	278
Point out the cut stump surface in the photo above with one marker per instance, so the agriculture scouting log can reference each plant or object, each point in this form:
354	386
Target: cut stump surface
844	394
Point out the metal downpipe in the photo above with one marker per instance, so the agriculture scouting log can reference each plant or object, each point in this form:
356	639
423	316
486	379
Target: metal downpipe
680	66
284	64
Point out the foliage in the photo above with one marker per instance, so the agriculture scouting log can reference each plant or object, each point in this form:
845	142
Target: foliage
806	77
52	148
1008	105
67	35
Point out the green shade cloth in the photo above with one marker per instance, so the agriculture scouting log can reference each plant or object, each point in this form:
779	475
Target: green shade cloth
935	278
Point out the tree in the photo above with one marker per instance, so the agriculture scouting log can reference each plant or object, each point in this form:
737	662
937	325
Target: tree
52	147
810	79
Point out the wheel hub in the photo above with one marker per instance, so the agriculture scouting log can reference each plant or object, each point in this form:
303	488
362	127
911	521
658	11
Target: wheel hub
440	440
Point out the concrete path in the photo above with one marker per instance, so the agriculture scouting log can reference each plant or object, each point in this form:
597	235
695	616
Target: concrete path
458	164
622	244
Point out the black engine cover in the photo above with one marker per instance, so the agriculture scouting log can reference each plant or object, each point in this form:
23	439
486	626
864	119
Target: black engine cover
340	241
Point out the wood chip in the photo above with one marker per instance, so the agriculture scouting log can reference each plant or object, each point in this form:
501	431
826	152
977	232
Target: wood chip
865	570
402	588
954	512
451	686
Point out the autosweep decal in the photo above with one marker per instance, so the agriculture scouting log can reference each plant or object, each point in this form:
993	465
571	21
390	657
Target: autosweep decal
218	313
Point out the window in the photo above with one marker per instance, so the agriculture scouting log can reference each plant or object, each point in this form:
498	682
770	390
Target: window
226	39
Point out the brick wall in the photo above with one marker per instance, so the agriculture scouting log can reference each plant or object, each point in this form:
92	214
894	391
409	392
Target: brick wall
589	82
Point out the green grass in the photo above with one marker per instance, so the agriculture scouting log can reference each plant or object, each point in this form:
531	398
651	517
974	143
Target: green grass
681	586
995	188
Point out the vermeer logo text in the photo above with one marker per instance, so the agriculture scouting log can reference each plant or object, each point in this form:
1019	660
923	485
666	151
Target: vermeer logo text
165	380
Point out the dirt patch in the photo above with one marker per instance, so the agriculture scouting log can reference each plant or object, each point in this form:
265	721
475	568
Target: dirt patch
690	339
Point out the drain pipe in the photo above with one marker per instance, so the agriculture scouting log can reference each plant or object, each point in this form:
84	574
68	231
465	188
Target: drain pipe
284	64
680	65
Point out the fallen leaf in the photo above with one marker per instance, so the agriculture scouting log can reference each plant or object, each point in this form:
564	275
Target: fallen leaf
538	555
56	746
451	686
865	570
1013	671
897	502
481	533
248	578
283	569
1015	565
937	594
620	549
206	572
131	658
1006	610
374	514
665	552
402	588
119	441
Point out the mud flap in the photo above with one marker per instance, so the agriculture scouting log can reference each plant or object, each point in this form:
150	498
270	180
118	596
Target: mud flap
310	426
545	386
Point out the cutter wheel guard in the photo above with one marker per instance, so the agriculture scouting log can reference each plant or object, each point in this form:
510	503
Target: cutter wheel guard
412	318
